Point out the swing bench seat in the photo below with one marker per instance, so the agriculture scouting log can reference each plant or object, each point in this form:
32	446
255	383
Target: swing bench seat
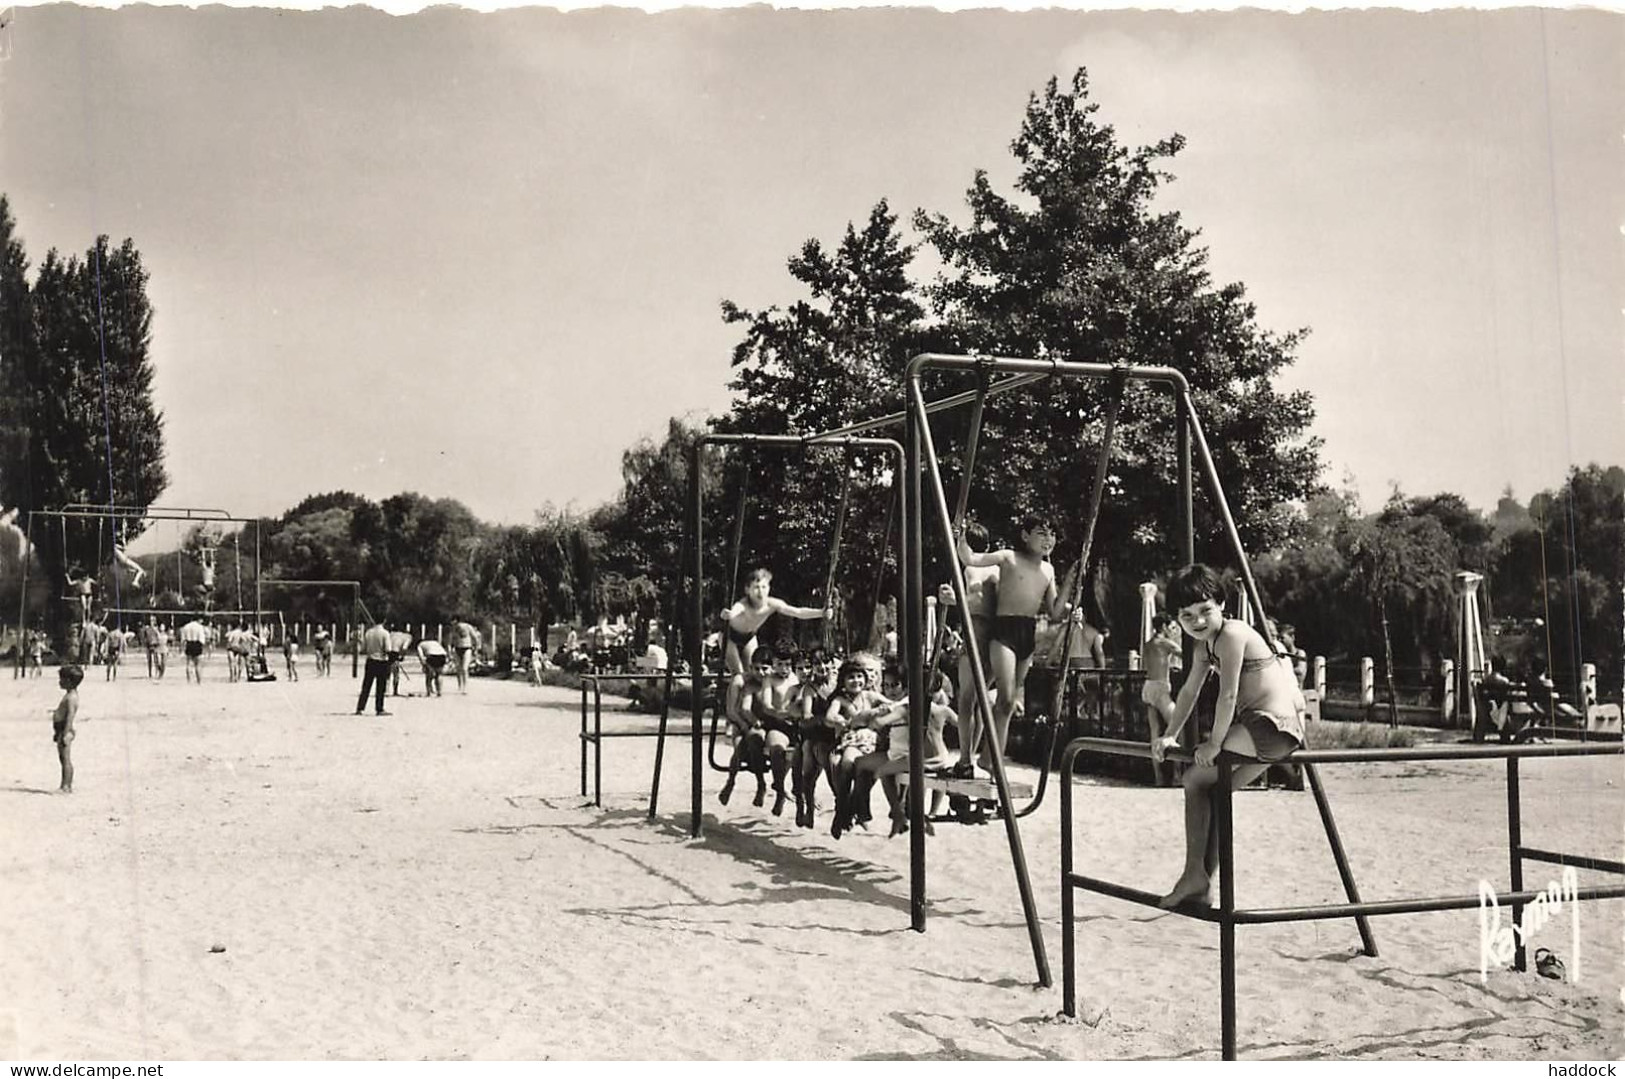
980	788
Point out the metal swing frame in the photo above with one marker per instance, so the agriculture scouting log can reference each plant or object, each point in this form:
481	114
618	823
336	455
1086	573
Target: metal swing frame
921	465
115	512
694	577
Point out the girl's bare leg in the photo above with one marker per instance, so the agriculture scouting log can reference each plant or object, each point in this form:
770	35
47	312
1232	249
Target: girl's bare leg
1003	670
1201	839
970	716
1154	722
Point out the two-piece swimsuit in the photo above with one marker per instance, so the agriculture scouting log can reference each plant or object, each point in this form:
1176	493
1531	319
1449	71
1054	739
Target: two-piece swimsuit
1265	704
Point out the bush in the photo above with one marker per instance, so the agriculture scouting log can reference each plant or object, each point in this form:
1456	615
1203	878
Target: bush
1335	734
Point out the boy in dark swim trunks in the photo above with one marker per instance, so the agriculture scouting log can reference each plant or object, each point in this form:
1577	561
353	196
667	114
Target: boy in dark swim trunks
744	620
1026	587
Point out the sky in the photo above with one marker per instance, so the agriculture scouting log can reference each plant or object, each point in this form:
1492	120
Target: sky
479	255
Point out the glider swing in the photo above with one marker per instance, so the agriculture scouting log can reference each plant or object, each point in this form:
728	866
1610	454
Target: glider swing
694	576
718	698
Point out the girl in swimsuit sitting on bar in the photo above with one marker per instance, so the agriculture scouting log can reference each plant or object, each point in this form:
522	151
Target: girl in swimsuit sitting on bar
1257	721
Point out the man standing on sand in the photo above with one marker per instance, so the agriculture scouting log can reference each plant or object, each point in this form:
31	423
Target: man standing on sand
152	642
194	635
375	644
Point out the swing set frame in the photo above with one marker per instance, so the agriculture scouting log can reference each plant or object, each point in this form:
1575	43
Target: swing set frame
693	560
116	513
923	497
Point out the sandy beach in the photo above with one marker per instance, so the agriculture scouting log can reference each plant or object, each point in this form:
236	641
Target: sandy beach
250	871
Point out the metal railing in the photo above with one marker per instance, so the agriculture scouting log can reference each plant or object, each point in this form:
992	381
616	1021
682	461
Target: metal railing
593	684
1228	916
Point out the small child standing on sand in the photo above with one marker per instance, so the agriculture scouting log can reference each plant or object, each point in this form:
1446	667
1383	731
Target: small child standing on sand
67	710
1161	657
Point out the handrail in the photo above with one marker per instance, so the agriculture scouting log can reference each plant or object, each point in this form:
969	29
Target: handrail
1226	914
596	736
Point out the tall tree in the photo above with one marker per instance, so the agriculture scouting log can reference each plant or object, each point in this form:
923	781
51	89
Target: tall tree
17	352
86	386
825	361
1078	264
1568	569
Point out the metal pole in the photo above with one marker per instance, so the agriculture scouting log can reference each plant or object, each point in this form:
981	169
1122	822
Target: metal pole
996	756
597	744
696	523
973	440
1515	855
894	418
912	565
1368	942
672	655
1187	506
665	701
22	600
1227	911
583	737
1216	489
1069	946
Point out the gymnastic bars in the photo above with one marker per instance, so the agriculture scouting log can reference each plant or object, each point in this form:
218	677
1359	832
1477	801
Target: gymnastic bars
152	513
357	610
594	681
92	510
1228	917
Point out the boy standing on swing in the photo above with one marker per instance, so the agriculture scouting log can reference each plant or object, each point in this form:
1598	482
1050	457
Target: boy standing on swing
1026	587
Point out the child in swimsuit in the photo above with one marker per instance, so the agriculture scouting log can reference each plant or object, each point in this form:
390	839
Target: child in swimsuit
62	719
775	709
744	620
746	717
982	597
889	763
814	754
1161	657
852	714
1258	718
1026	587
